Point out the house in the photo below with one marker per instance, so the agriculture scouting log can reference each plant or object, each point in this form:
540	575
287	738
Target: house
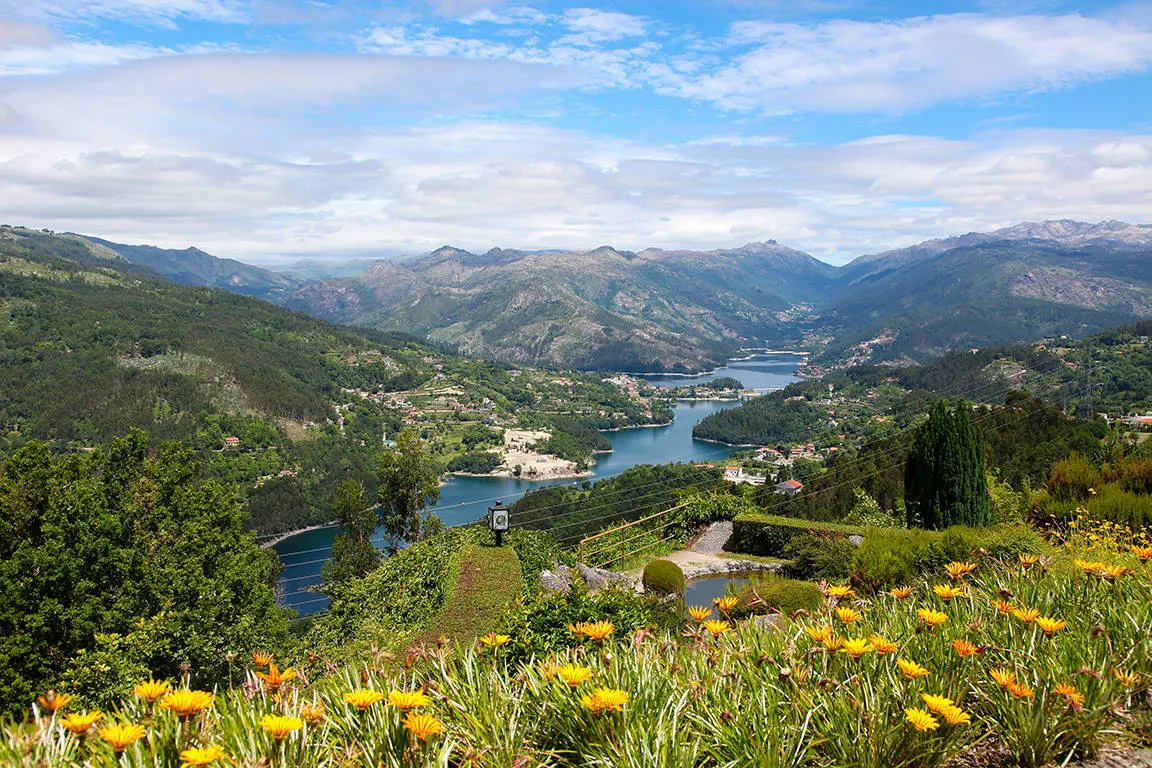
738	475
231	442
789	487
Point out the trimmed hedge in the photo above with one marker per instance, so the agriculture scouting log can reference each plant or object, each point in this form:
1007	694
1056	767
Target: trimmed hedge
768	535
664	577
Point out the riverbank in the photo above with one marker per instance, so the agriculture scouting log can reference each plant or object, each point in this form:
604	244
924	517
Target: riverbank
279	537
634	426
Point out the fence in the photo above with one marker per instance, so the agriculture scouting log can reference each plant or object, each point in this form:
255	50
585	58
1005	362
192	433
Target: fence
616	540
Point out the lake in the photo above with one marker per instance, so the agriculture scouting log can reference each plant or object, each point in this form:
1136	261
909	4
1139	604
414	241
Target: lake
466	499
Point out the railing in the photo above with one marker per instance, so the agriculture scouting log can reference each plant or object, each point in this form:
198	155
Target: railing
617	539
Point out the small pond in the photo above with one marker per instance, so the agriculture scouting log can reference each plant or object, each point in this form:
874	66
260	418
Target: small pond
703	590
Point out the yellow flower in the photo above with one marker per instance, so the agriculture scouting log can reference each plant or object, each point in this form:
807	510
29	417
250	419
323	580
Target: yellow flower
185	703
197	756
965	648
312	713
936	703
573	675
362	698
262	658
839	592
1028	559
493	640
150	690
947	592
956	716
921	720
1003	677
1003	607
275	678
831	643
1089	566
932	618
406	701
958	570
1142	552
1021	691
1112	572
699	612
54	701
1050	625
122	735
901	592
819	634
717	628
79	723
1026	615
911	669
856	647
280	725
883	645
725	604
847	615
579	627
605	700
549	669
422	725
1069	692
599	630
1127	678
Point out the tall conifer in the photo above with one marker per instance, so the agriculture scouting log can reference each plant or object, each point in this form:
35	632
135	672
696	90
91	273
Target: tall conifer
945	481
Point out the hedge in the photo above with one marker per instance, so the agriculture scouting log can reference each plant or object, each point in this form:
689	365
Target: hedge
768	535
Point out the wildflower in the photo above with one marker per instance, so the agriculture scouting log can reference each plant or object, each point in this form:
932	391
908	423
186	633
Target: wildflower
275	678
122	735
493	640
921	720
80	722
1142	552
1020	691
406	701
847	615
362	698
1003	677
839	592
725	604
54	701
959	570
1003	607
312	713
579	627
955	716
911	669
1050	625
831	643
901	592
1092	491
1026	615
856	647
699	613
965	648
819	634
932	618
574	675
150	690
280	726
1089	566
1112	572
936	703
262	658
605	700
1069	692
599	631
1027	560
197	756
1127	678
549	669
947	592
883	645
185	703
717	628
422	725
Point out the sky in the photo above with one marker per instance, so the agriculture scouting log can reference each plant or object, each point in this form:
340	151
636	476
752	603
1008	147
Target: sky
273	130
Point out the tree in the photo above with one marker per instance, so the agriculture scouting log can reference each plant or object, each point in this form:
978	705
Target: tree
409	482
945	480
353	553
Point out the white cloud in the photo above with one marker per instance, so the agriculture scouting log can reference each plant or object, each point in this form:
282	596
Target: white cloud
591	26
161	13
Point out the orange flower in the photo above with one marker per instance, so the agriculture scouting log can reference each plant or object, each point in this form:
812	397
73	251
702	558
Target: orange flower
493	640
936	703
839	592
847	615
699	613
1126	678
406	701
280	726
856	647
197	756
883	645
1003	607
1089	566
312	713
262	658
901	592
819	634
1050	625
150	690
54	701
717	628
122	736
959	570
1028	559
275	678
921	720
599	630
911	669
1026	615
1003	677
965	648
80	722
362	698
955	716
422	725
605	700
725	604
831	643
1112	572
1021	691
1142	552
185	703
1069	692
574	675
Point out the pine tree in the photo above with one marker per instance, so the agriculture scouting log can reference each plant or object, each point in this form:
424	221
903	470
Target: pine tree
945	480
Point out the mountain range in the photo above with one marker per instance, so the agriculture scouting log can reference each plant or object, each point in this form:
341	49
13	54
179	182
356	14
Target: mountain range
684	311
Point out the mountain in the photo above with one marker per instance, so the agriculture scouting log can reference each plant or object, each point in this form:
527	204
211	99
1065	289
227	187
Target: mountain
193	266
602	308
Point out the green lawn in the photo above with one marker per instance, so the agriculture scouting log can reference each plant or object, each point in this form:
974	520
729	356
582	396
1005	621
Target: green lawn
488	583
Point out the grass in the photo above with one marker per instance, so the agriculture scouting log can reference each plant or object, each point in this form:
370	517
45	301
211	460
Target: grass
754	558
489	581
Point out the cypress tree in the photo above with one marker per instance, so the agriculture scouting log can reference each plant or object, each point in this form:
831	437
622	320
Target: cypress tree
945	481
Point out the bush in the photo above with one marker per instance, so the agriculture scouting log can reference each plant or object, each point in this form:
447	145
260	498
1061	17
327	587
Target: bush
664	577
475	463
1071	478
772	594
819	555
768	535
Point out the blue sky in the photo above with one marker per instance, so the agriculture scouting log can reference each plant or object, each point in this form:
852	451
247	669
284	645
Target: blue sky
267	130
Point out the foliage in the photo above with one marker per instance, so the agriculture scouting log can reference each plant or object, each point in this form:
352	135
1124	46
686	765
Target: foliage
353	553
769	535
945	480
1072	478
663	577
761	421
773	594
819	556
475	462
867	513
409	481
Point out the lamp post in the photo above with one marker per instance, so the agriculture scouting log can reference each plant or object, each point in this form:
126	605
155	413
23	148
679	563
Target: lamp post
498	521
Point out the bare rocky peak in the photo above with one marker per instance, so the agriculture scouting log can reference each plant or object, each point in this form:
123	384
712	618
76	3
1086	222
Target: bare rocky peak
1073	233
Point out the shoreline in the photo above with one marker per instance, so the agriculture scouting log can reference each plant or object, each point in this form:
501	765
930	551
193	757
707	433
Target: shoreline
756	353
633	426
280	537
721	442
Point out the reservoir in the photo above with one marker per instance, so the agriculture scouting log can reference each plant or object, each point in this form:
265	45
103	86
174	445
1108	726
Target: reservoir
466	499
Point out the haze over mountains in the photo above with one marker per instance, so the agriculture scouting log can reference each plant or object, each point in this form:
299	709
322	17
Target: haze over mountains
680	310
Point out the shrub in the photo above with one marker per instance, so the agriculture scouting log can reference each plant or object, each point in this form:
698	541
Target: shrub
772	594
768	535
664	577
819	555
889	557
1071	478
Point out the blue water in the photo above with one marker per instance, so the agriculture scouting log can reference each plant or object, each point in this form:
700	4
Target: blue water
466	499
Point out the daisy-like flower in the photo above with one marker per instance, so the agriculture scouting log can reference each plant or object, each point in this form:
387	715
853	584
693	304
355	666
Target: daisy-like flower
947	591
965	648
717	628
1050	625
493	640
1089	566
1126	678
280	726
1026	615
185	703
150	690
901	592
53	701
122	735
839	591
312	713
911	669
80	722
197	756
405	701
883	645
819	634
959	570
422	725
1112	572
1003	677
856	647
936	703
574	675
955	716
699	613
1003	607
1020	691
605	700
725	604
1069	692
832	643
1142	552
578	627
932	618
599	631
921	720
1027	560
846	614
262	658
362	698
274	678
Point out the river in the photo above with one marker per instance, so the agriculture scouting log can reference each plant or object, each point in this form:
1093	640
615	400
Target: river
466	499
